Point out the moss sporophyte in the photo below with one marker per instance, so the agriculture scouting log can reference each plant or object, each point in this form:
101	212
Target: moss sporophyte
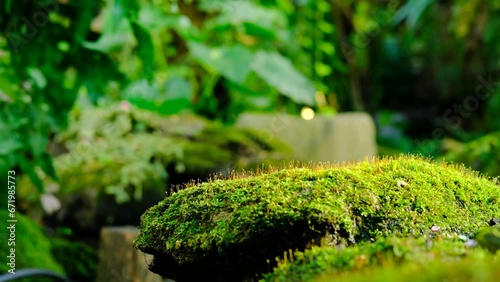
228	228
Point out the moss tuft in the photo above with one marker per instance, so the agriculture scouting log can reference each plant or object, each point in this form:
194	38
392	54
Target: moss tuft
238	223
328	263
32	247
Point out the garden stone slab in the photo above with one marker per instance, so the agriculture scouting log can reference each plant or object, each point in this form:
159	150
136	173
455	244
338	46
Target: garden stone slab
119	261
343	137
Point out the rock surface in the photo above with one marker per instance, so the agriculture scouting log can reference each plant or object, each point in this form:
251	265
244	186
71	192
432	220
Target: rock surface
343	137
118	261
227	229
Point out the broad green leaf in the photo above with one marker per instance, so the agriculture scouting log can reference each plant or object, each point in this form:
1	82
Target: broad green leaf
109	42
259	31
47	165
38	143
124	9
145	49
279	72
9	145
178	96
178	87
231	62
174	106
142	90
412	11
247	12
152	18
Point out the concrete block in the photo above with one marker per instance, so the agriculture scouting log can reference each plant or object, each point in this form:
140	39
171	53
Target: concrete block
343	137
119	261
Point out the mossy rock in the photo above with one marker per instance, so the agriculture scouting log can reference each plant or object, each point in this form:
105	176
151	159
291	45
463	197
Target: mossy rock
329	263
226	229
32	247
475	267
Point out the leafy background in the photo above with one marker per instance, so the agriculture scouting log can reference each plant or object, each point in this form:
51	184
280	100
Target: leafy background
409	64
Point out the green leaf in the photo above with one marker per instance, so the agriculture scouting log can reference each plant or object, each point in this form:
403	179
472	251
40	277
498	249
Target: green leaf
108	43
124	9
29	168
8	5
232	62
38	143
145	49
174	106
37	77
238	12
412	11
178	87
279	72
259	31
9	145
47	166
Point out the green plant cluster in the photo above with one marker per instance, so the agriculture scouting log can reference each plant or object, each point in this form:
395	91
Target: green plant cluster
329	263
42	67
240	222
128	155
222	58
474	268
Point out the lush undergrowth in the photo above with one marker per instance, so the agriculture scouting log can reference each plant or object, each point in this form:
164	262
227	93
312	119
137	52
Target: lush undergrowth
32	249
228	228
437	255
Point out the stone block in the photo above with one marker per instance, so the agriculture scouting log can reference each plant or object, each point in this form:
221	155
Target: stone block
343	137
119	261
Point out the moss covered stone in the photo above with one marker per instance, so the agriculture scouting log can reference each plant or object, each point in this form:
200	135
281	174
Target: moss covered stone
475	267
328	263
228	228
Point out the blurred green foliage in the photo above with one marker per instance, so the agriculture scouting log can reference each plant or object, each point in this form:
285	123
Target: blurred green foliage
78	260
482	154
119	160
32	247
412	59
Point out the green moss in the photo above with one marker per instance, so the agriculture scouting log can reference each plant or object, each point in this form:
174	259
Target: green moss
332	263
476	267
242	221
32	247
